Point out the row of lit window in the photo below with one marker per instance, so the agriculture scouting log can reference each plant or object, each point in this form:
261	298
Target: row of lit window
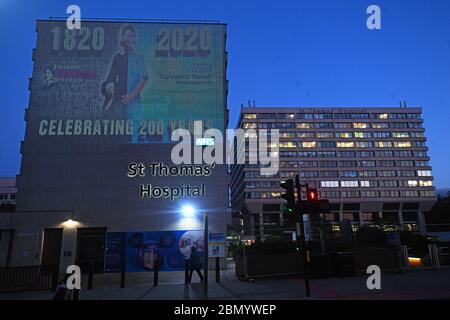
330	125
315	174
351	194
353	163
310	116
347	144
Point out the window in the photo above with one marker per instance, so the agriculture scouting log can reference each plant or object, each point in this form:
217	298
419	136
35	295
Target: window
366	154
384	154
344	135
329	174
288	154
346	154
3	196
405	163
399	125
381	116
422	164
287	174
289	164
288	144
306	116
348	163
369	194
307	154
389	194
367	173
324	135
308	144
249	116
350	194
386	163
365	183
307	164
343	125
289	135
342	116
406	173
361	125
349	184
383	144
252	195
421	154
367	163
330	194
424	173
328	164
324	125
415	125
349	174
267	125
251	184
410	193
323	116
249	125
426	193
381	134
309	174
398	116
267	116
402	144
361	135
420	144
329	184
305	125
387	173
305	134
289	116
412	183
286	125
403	154
364	144
342	144
252	174
413	115
270	184
403	134
388	183
380	125
326	144
417	134
360	116
270	195
327	154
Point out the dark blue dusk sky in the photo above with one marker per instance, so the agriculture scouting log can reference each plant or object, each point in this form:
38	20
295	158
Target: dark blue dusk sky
281	53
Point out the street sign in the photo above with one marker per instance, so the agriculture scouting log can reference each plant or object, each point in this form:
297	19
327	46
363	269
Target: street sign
216	246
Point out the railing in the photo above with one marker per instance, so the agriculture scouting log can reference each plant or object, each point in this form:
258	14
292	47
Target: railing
28	278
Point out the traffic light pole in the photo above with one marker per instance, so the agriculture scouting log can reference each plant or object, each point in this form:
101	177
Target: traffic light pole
305	252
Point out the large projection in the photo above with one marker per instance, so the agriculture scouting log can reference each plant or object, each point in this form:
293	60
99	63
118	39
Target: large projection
127	82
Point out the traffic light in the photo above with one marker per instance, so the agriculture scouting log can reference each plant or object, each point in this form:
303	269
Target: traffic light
289	195
311	195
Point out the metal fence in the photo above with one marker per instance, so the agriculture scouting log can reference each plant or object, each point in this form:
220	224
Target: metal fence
28	278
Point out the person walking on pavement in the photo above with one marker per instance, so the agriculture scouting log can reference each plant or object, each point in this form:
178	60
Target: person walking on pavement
194	264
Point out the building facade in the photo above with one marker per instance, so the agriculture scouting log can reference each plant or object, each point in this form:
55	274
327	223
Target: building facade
372	164
8	190
105	100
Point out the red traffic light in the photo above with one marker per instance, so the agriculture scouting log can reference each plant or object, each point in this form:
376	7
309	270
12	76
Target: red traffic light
311	195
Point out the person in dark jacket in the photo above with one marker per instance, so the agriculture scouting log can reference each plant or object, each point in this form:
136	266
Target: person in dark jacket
194	264
62	292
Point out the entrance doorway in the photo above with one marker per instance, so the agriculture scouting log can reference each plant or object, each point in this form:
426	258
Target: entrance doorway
91	248
6	242
51	248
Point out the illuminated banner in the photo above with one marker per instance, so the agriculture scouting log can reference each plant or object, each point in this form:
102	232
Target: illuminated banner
130	82
143	251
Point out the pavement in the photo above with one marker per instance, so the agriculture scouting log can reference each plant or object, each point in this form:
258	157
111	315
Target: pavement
416	284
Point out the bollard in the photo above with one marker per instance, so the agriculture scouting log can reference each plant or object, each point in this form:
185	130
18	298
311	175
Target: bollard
155	276
186	271
91	276
217	269
122	275
76	294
